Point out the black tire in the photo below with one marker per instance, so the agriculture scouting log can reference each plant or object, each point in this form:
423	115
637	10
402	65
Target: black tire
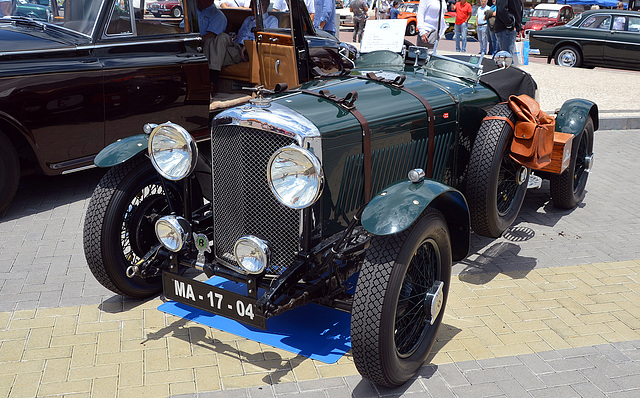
176	12
9	172
388	289
411	29
568	56
496	184
567	189
119	227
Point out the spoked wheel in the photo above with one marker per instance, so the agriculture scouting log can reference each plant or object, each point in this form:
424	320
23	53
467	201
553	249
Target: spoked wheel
399	301
567	189
496	184
176	12
119	227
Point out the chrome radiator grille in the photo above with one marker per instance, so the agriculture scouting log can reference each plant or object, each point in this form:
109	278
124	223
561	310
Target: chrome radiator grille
242	201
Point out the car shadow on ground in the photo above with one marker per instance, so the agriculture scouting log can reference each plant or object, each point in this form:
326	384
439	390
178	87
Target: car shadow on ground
39	194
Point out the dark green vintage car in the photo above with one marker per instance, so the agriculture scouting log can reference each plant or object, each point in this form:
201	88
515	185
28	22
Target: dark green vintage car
303	193
606	38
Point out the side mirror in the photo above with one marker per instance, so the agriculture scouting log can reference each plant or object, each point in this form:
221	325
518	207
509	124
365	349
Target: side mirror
503	59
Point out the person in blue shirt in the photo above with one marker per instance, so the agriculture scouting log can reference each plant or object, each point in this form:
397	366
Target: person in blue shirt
325	18
246	30
218	47
393	12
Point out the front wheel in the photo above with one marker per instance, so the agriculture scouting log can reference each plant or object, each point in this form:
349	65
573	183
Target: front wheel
496	184
567	189
119	227
176	12
399	301
568	56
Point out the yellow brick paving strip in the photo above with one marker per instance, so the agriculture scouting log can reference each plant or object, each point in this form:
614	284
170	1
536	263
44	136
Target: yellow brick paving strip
103	351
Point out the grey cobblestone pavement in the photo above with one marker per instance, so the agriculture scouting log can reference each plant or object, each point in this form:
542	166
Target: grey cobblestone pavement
611	370
42	265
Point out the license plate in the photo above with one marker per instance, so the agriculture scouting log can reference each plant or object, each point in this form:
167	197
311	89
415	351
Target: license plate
212	299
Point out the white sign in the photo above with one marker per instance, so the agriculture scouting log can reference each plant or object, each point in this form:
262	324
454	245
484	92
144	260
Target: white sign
383	34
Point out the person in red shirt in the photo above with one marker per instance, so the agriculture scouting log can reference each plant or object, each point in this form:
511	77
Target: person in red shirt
463	13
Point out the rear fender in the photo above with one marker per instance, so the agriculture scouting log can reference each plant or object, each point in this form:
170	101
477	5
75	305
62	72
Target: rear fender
122	150
573	115
398	206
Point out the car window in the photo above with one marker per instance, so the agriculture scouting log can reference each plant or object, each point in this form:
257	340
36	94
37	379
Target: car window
634	24
619	22
77	15
145	25
597	22
545	13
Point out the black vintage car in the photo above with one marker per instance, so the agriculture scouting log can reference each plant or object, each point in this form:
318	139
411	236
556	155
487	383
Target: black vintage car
99	71
606	38
303	192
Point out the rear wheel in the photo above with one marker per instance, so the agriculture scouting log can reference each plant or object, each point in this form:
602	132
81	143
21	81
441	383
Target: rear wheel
9	172
568	56
399	301
119	228
496	184
567	189
411	29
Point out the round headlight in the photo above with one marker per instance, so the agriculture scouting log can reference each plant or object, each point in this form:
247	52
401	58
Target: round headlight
252	254
295	177
172	232
173	151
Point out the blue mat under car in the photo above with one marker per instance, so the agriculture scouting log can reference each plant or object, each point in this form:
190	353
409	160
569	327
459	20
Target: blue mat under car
312	330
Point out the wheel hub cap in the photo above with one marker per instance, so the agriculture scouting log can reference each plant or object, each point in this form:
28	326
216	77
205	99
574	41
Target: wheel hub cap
521	177
588	163
568	59
434	299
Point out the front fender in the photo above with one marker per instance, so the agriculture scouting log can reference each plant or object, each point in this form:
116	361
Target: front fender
573	115
122	150
399	205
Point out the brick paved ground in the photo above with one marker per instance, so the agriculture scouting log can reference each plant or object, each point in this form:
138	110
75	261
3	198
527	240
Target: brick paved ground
551	309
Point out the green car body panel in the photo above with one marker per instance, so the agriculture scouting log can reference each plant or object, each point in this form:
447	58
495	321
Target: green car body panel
399	135
399	205
573	115
122	150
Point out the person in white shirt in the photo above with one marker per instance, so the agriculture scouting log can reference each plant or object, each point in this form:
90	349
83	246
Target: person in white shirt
281	5
482	26
429	13
234	4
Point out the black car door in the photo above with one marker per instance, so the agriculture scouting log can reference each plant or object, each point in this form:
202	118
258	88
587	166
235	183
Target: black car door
622	47
154	71
591	35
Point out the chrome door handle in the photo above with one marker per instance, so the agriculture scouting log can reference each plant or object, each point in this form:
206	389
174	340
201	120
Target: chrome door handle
273	39
277	65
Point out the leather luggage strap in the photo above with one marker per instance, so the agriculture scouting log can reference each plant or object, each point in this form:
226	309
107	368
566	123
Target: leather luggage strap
398	83
347	103
506	119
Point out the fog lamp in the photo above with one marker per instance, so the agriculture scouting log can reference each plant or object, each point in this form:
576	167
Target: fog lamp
252	254
172	232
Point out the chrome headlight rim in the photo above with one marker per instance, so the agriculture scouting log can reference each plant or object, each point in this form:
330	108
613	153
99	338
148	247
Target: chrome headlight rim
318	172
179	133
263	249
178	227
